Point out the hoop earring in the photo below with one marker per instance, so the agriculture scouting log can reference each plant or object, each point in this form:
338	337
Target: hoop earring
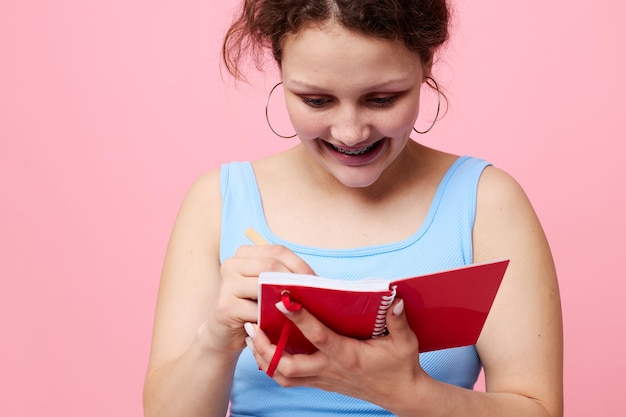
267	116
438	106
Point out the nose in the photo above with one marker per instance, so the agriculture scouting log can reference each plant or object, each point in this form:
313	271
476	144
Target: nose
350	126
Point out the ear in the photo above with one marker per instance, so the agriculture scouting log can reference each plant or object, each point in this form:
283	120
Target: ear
427	68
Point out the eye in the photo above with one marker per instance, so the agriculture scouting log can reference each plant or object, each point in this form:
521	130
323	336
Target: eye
317	102
383	101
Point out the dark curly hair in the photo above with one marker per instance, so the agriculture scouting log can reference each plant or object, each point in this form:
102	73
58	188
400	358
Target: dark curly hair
262	25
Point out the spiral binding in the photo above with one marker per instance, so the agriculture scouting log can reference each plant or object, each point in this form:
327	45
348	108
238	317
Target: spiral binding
380	326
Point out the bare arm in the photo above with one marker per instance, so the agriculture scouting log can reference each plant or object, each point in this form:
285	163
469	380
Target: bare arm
521	345
201	309
187	375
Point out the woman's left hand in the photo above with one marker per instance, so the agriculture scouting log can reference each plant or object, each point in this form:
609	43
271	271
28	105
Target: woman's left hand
374	370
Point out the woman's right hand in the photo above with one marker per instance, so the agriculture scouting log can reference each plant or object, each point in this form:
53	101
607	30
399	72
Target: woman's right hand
236	302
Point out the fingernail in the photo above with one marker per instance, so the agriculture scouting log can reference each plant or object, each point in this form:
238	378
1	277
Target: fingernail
250	344
249	328
398	308
281	307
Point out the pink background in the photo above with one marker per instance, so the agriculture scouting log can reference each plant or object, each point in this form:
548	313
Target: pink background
110	109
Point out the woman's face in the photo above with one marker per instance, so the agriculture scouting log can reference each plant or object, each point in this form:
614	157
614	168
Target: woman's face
352	99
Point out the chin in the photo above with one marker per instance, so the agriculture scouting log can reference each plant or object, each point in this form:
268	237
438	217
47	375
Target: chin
357	179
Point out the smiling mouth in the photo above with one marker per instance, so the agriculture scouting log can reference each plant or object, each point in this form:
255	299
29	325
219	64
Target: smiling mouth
355	152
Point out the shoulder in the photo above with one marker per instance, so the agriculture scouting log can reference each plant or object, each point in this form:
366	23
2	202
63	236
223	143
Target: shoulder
199	217
501	196
507	225
505	218
204	191
500	193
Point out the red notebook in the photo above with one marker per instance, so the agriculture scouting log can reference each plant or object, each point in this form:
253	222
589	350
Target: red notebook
445	309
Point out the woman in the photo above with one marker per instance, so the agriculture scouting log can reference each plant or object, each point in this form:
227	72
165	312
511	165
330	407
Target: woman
357	197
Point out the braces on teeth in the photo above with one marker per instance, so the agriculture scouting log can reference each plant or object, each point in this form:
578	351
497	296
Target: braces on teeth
355	152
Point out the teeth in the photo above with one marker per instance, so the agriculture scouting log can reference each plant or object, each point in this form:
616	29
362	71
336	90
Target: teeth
354	152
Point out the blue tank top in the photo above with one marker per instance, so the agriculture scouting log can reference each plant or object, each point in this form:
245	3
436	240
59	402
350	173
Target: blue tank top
443	241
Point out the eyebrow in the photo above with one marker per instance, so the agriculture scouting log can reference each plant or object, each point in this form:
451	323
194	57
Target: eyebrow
382	84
